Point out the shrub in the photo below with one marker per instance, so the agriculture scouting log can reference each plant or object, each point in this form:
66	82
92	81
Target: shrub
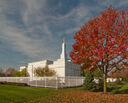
13	83
99	75
100	84
89	83
40	72
24	73
16	73
118	81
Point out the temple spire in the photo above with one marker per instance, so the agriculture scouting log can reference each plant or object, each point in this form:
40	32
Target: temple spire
64	40
63	53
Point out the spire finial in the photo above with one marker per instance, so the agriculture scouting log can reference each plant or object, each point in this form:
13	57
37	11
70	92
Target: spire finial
63	53
64	39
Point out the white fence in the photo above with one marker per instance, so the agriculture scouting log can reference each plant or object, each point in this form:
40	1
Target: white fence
47	82
51	82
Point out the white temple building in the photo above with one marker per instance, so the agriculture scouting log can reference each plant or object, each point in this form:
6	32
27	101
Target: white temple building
62	66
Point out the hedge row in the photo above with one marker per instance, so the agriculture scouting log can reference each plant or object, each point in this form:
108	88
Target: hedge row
13	83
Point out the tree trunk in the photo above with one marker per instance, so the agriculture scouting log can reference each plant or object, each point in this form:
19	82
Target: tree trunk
105	83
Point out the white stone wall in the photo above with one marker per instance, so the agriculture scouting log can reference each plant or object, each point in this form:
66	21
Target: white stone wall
59	67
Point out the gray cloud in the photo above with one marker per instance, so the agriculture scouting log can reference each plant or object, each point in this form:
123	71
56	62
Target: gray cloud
16	36
34	29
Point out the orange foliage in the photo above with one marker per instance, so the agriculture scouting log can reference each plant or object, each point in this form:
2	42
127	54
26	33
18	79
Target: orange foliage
103	41
89	97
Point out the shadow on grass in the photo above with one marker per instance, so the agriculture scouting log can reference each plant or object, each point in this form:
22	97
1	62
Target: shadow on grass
114	88
120	91
119	88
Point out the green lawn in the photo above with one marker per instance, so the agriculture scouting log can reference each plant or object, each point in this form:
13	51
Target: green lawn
19	94
118	88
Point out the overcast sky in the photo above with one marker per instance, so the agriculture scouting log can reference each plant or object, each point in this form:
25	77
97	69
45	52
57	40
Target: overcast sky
32	30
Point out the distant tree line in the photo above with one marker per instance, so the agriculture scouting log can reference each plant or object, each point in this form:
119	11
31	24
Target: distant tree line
12	72
39	72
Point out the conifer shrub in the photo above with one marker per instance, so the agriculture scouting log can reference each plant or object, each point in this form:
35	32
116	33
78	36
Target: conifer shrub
99	76
89	83
100	84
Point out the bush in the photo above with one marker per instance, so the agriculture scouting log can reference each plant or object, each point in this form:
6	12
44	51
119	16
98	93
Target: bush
22	73
100	85
41	72
89	83
98	74
16	73
118	81
12	83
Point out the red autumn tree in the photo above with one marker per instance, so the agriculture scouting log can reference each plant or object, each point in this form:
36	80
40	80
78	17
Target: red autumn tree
121	72
102	43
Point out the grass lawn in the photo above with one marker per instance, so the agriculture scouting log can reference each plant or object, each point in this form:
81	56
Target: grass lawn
18	94
118	88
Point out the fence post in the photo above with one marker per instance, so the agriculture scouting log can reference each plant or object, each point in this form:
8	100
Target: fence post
27	80
76	81
61	82
16	79
69	81
56	83
45	82
36	81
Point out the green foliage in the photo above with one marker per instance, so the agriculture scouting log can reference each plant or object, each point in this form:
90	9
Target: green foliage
99	75
25	94
40	72
12	83
16	74
89	83
100	84
118	81
83	73
125	79
22	73
121	88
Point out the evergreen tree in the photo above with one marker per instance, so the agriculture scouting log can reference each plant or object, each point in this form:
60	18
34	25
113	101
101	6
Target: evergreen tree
89	82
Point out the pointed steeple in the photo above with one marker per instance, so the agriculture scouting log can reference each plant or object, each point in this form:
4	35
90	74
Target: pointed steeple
64	40
63	53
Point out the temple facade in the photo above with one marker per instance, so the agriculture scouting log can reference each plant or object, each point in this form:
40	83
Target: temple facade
62	66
